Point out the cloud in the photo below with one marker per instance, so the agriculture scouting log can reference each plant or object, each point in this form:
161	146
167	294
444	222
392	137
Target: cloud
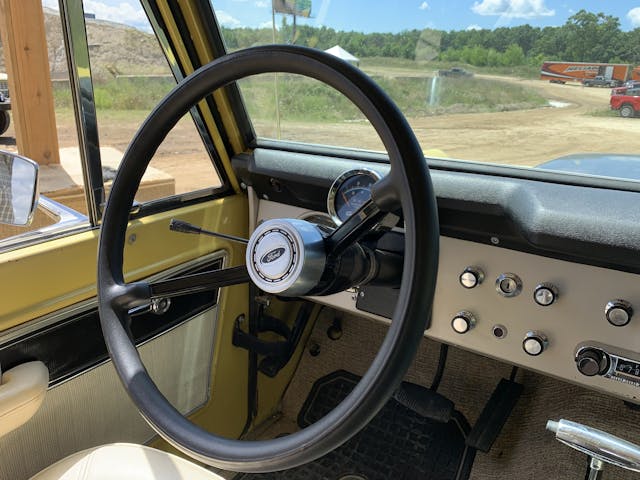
473	27
267	24
424	6
262	4
53	4
121	12
513	8
227	20
634	16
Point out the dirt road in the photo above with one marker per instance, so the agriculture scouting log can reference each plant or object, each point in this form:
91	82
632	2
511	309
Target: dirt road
524	137
529	137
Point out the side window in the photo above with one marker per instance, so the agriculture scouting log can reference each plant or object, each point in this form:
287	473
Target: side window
130	76
61	181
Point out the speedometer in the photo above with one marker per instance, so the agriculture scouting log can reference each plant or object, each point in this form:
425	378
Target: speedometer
349	192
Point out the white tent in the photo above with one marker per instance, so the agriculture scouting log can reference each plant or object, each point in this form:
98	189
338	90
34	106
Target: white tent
340	52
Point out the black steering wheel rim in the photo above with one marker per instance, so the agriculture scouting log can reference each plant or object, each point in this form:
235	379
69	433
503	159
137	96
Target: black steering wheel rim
410	177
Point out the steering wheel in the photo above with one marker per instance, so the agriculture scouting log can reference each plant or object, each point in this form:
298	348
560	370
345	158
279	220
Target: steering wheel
408	185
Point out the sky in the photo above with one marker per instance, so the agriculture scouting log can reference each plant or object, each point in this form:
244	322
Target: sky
391	15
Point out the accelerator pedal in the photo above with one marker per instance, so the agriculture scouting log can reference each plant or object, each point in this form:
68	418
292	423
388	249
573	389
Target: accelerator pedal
494	415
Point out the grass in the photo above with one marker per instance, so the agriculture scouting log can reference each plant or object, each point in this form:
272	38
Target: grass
603	112
142	93
302	99
306	100
519	71
474	95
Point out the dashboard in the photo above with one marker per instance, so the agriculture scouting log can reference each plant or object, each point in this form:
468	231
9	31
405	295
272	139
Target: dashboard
561	304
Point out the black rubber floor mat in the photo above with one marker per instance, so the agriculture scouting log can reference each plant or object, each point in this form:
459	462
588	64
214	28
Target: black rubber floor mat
397	444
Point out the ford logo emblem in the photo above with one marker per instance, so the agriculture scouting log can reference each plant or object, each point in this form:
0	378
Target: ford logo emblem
272	255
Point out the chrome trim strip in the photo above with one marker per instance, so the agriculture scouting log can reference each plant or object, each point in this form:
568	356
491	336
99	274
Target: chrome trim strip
66	219
77	51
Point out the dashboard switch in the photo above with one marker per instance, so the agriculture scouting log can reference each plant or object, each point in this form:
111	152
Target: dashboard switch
592	362
534	343
463	322
508	285
618	312
471	277
545	294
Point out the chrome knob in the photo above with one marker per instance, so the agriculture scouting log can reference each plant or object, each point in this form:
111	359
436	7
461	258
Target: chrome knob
545	294
618	312
463	322
534	343
471	277
592	362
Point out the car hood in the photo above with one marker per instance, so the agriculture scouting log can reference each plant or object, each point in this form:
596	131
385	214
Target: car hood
602	164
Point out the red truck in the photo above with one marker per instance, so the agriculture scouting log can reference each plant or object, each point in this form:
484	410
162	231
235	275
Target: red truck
627	103
589	74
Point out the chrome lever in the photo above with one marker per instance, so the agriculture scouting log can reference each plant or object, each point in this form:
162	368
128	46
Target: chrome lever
600	446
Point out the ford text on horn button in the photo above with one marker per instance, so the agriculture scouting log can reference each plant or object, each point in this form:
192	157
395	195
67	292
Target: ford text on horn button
272	255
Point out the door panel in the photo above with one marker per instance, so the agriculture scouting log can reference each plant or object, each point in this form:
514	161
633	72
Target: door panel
52	292
43	278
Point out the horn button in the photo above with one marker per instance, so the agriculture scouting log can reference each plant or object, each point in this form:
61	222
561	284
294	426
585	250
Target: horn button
286	256
274	255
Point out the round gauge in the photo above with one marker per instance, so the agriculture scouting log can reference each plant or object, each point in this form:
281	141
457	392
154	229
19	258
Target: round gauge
349	192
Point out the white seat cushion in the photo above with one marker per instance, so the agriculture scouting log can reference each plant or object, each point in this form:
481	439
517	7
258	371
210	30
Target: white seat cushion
124	461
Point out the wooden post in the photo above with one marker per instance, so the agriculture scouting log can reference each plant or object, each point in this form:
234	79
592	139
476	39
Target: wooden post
26	57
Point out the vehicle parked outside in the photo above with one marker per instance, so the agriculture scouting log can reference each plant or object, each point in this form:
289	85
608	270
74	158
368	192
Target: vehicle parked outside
600	81
628	104
627	85
5	104
455	72
563	71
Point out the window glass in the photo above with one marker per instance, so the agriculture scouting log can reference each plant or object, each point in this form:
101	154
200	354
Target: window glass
60	182
518	82
130	76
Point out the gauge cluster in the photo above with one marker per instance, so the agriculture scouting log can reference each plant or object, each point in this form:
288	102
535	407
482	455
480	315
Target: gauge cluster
349	192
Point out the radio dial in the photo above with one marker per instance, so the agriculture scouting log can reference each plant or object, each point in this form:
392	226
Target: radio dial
592	362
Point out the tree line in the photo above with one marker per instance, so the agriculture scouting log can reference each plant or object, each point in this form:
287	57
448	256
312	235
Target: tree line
585	37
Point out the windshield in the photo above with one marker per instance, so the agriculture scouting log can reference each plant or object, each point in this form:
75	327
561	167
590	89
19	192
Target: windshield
518	82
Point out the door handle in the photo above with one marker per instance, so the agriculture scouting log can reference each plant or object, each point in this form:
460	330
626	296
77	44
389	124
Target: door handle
22	391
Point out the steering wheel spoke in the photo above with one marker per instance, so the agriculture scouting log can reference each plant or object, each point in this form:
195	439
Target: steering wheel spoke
199	282
354	228
129	296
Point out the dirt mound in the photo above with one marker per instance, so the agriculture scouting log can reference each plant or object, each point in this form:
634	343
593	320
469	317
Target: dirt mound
115	49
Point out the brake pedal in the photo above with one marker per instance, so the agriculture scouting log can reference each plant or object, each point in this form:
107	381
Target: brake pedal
425	402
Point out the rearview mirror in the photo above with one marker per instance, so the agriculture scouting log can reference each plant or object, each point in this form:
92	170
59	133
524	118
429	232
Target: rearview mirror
18	189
